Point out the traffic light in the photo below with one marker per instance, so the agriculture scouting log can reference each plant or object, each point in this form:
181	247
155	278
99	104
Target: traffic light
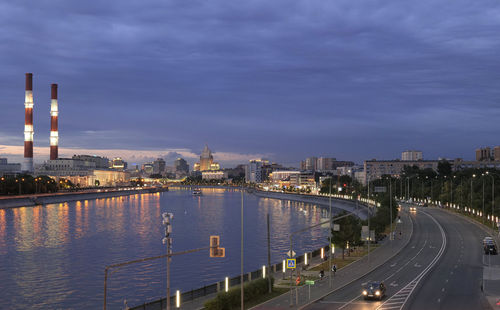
215	250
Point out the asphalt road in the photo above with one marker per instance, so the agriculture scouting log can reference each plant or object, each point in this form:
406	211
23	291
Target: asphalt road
424	248
441	268
455	282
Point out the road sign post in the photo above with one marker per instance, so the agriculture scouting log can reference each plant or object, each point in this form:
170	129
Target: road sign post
291	263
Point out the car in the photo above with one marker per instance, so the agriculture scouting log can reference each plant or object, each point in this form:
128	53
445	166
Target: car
374	289
489	246
413	208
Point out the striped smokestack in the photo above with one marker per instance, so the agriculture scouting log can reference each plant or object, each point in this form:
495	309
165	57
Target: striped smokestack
28	124
54	134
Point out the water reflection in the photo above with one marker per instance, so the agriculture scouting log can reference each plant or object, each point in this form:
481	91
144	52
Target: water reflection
53	256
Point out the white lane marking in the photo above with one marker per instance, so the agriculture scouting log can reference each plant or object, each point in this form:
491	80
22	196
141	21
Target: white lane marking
442	290
409	261
439	299
410	287
393	283
392	265
417	265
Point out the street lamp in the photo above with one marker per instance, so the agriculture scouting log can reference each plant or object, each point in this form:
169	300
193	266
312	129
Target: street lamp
492	197
482	215
473	176
167	217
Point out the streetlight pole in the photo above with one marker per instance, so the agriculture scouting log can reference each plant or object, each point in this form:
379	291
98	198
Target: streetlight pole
492	198
167	217
483	199
390	204
241	276
331	231
473	176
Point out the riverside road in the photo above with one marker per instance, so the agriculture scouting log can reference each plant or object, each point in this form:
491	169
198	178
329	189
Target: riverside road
440	268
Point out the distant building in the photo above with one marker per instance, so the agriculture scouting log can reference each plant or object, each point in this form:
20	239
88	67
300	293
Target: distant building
253	171
496	153
459	164
411	156
282	175
309	164
100	162
206	161
118	164
82	172
148	168
303	180
214	175
375	169
181	167
483	154
159	166
8	169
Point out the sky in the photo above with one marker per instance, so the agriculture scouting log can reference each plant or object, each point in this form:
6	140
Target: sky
279	79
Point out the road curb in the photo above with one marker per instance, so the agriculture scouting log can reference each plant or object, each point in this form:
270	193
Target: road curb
369	271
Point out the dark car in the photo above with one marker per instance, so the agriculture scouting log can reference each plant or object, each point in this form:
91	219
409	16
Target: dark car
490	248
374	289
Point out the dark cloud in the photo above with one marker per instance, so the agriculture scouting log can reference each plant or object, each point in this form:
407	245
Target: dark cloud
348	79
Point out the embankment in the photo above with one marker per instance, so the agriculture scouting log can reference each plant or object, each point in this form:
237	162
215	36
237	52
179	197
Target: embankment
42	199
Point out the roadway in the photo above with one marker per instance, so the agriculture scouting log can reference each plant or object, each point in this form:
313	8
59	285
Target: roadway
440	268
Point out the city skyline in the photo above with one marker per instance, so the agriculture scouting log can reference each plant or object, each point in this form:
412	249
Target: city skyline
286	82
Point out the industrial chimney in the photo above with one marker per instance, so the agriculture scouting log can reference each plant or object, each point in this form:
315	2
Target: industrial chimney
28	125
54	134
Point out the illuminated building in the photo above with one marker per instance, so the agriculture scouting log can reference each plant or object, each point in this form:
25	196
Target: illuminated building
206	161
214	175
118	164
82	172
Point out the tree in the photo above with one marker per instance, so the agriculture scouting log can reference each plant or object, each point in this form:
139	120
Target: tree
349	232
444	168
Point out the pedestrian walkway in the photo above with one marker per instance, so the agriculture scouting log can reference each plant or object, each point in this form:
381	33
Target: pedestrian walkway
305	295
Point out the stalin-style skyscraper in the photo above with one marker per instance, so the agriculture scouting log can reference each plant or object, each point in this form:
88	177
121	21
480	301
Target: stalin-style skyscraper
54	134
28	125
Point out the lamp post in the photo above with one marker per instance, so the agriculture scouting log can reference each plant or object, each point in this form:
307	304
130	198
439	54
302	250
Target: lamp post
492	197
473	176
167	217
483	199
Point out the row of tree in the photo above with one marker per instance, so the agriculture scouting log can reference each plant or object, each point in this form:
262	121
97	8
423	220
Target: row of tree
351	226
27	184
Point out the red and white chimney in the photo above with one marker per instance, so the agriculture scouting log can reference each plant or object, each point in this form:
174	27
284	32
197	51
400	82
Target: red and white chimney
54	133
28	125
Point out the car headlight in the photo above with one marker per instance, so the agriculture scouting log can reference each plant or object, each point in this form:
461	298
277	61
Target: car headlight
365	293
377	293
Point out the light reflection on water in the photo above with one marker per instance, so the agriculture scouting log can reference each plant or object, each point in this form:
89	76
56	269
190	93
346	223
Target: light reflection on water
54	256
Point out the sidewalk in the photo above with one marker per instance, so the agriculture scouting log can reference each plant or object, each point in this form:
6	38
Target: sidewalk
344	276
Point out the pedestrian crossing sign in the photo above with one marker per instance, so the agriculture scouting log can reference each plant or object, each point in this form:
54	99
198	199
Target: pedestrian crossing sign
290	263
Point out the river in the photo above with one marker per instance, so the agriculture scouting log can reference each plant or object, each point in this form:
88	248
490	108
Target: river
53	256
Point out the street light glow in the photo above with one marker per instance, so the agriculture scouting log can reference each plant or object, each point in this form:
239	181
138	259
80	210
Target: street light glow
177	299
226	287
264	271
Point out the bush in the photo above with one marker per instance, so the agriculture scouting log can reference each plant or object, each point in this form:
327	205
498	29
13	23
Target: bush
232	299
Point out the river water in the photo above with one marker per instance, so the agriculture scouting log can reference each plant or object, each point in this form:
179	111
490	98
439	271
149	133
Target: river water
53	256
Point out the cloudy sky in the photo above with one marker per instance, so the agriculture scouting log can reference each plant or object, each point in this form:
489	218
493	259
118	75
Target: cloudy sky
284	79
